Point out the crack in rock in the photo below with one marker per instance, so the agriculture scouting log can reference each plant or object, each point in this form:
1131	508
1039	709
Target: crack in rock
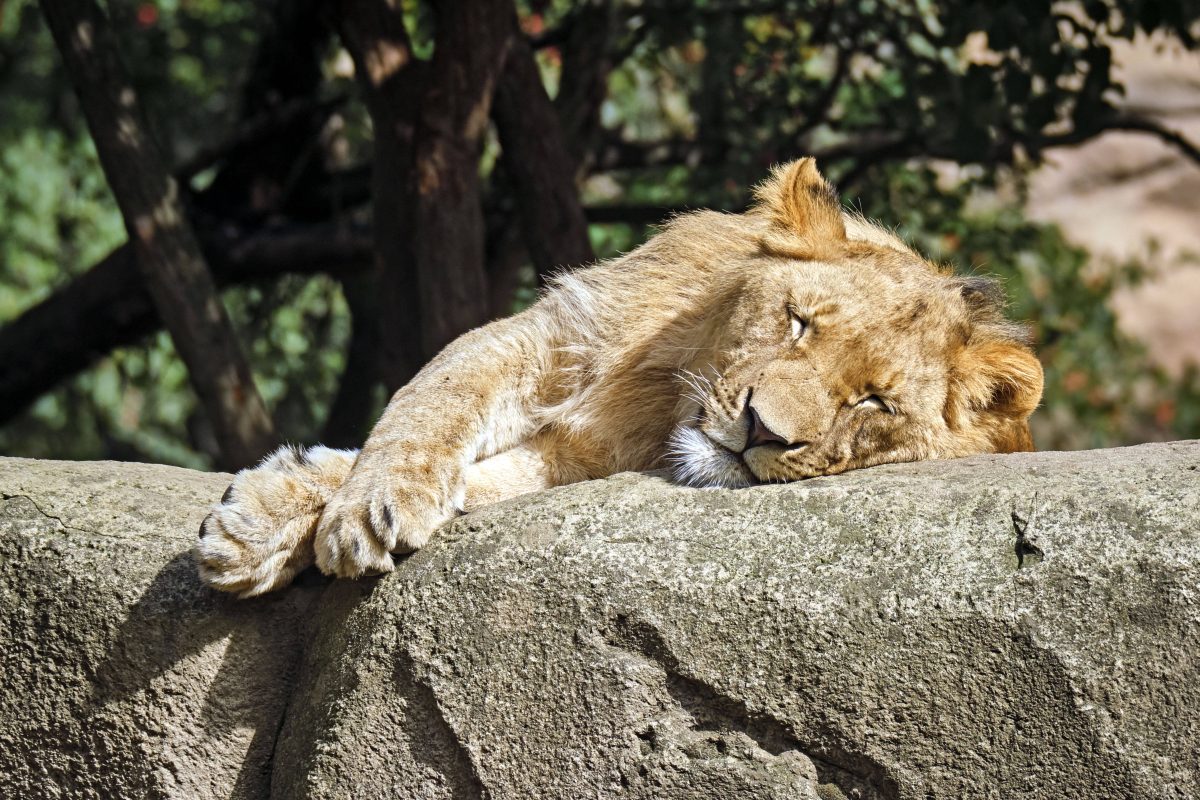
434	740
1025	549
47	514
703	727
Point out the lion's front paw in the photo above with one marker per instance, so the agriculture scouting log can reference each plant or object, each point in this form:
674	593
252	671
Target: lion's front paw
361	529
261	533
249	554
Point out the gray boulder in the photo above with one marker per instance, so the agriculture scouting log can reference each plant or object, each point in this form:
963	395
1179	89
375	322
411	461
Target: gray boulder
121	676
1023	625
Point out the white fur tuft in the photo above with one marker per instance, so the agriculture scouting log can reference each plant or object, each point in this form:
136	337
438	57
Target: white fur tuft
696	460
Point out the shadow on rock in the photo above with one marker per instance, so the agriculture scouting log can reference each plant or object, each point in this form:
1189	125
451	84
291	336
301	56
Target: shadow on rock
202	667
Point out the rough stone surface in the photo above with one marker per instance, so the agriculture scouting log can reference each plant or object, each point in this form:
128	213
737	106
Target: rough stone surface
120	675
1008	626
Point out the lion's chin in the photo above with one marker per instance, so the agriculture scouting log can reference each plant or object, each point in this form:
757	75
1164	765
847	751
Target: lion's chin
697	460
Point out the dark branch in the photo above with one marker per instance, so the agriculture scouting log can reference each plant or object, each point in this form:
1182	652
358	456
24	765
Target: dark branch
616	154
261	179
817	110
167	254
871	147
254	132
109	307
1133	123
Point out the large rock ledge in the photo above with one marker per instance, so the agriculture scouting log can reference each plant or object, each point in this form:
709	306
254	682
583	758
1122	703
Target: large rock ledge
994	627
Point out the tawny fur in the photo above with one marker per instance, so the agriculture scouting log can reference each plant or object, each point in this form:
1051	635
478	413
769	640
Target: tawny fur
261	534
791	341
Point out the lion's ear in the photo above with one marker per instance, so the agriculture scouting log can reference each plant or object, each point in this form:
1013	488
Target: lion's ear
804	207
1001	377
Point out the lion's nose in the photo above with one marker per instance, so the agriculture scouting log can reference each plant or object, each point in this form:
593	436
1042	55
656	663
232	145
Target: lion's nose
760	433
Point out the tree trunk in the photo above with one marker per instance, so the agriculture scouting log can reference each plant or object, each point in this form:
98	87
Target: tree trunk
472	42
587	61
373	32
352	411
261	180
535	156
165	249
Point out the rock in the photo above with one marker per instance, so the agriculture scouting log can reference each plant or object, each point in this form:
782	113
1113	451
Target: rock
1000	626
121	676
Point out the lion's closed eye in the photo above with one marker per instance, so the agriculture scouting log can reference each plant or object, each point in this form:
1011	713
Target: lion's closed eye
874	401
799	325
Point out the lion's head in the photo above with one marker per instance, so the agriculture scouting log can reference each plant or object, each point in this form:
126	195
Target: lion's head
839	347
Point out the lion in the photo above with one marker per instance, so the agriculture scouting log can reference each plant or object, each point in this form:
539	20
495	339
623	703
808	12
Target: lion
794	340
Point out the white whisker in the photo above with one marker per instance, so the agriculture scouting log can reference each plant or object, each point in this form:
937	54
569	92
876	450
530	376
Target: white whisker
698	461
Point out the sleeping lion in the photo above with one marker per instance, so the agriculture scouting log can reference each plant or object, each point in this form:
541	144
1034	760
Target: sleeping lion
791	341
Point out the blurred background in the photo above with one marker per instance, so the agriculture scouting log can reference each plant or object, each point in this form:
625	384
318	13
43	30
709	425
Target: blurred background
361	180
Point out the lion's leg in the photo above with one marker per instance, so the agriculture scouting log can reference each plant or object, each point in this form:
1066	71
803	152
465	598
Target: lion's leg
261	534
512	473
471	402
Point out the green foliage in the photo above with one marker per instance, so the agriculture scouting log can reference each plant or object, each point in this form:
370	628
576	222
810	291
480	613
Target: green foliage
966	80
57	218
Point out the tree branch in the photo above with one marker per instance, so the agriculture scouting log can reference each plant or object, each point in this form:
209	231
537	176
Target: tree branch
1133	123
870	147
616	153
108	306
254	131
817	110
258	180
165	248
